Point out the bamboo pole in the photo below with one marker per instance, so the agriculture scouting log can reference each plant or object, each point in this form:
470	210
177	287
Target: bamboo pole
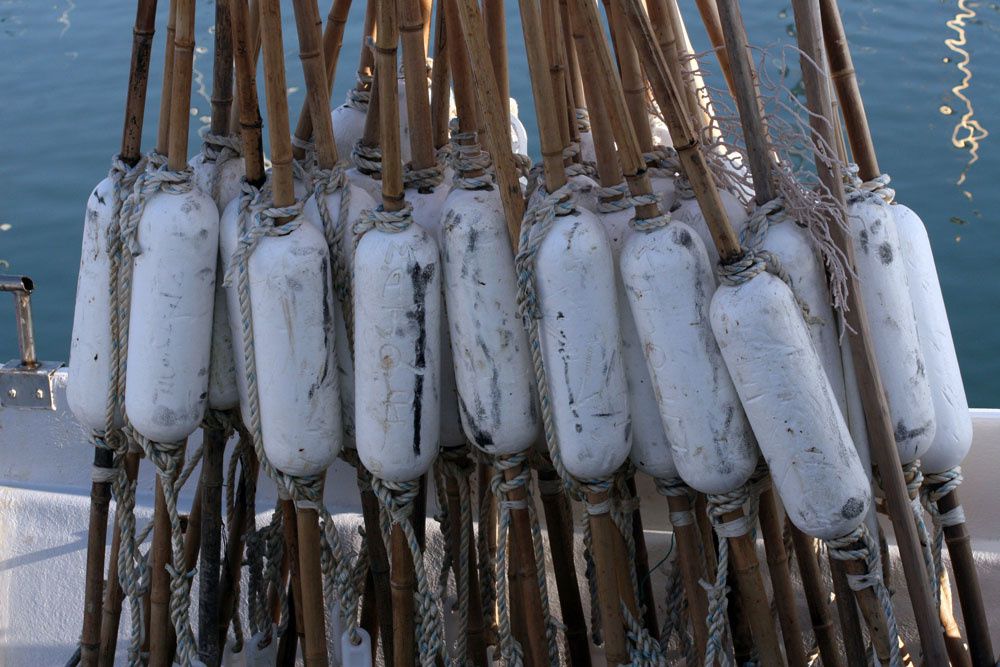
554	46
418	108
879	422
440	76
848	614
163	129
692	567
817	598
113	594
496	38
248	115
209	648
633	83
643	573
476	645
379	564
781	579
696	90
253	49
559	525
328	54
235	539
161	628
605	534
97	535
710	17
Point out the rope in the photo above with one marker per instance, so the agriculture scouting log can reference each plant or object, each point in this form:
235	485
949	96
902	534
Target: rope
328	183
257	219
368	159
217	150
397	500
423	180
662	162
454	464
914	480
359	96
467	157
582	120
935	487
859	545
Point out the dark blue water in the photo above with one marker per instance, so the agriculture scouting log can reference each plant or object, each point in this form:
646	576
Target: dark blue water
64	67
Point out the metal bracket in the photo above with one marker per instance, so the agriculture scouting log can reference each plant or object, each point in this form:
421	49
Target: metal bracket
25	382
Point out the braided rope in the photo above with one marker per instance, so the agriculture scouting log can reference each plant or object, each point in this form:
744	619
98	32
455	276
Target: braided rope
860	545
914	481
397	500
367	159
257	220
218	149
454	463
359	96
327	183
582	120
662	162
468	157
935	487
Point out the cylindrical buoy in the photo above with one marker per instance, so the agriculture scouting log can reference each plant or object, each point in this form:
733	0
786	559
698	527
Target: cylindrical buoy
222	182
953	435
397	315
358	201
650	448
686	210
581	344
884	289
91	365
229	234
348	126
293	308
791	406
223	393
492	362
586	189
711	441
170	325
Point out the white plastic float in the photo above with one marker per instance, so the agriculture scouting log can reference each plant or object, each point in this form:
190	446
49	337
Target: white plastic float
492	362
581	345
687	210
791	406
397	316
884	289
710	438
170	325
953	435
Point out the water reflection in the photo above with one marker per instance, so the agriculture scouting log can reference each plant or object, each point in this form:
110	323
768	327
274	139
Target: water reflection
968	132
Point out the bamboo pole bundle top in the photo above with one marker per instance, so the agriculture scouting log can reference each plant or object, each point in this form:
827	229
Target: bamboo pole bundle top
180	96
135	105
246	92
418	108
163	129
277	105
315	69
222	69
388	107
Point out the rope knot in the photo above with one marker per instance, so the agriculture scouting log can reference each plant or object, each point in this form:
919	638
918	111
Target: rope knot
368	159
221	147
424	179
147	183
389	222
534	227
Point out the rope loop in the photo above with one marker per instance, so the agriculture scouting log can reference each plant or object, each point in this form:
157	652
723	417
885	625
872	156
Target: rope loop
424	179
327	183
662	162
534	227
467	157
368	159
875	189
221	147
359	96
389	222
148	183
259	219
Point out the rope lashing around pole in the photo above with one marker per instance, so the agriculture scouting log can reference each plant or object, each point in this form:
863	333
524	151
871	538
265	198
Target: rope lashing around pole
935	487
423	179
662	162
257	220
397	500
487	592
509	648
860	545
359	96
676	595
454	464
719	505
218	149
367	159
536	174
859	190
914	481
467	157
302	170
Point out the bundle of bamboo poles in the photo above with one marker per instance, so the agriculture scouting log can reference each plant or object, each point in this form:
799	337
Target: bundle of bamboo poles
400	291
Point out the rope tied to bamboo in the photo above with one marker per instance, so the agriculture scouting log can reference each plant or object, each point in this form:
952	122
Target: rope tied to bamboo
454	463
217	150
257	218
389	222
359	96
467	157
397	500
367	159
860	545
328	183
662	162
677	488
935	487
858	190
425	179
146	185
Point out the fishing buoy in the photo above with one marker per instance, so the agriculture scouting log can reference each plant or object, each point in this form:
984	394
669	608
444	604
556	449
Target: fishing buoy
359	201
791	406
492	362
170	325
223	393
91	365
397	315
295	336
712	445
650	448
953	435
581	344
349	122
220	181
686	210
518	133
586	189
884	289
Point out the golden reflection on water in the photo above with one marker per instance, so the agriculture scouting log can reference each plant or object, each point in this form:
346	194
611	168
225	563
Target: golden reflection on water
968	132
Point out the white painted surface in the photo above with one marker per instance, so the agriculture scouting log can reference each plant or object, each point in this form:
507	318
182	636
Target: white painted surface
222	391
689	212
581	345
222	188
348	128
91	346
712	445
885	292
489	346
953	435
359	201
229	228
170	327
293	307
650	447
791	406
397	319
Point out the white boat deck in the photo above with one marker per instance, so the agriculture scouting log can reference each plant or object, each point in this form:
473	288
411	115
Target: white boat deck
45	463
